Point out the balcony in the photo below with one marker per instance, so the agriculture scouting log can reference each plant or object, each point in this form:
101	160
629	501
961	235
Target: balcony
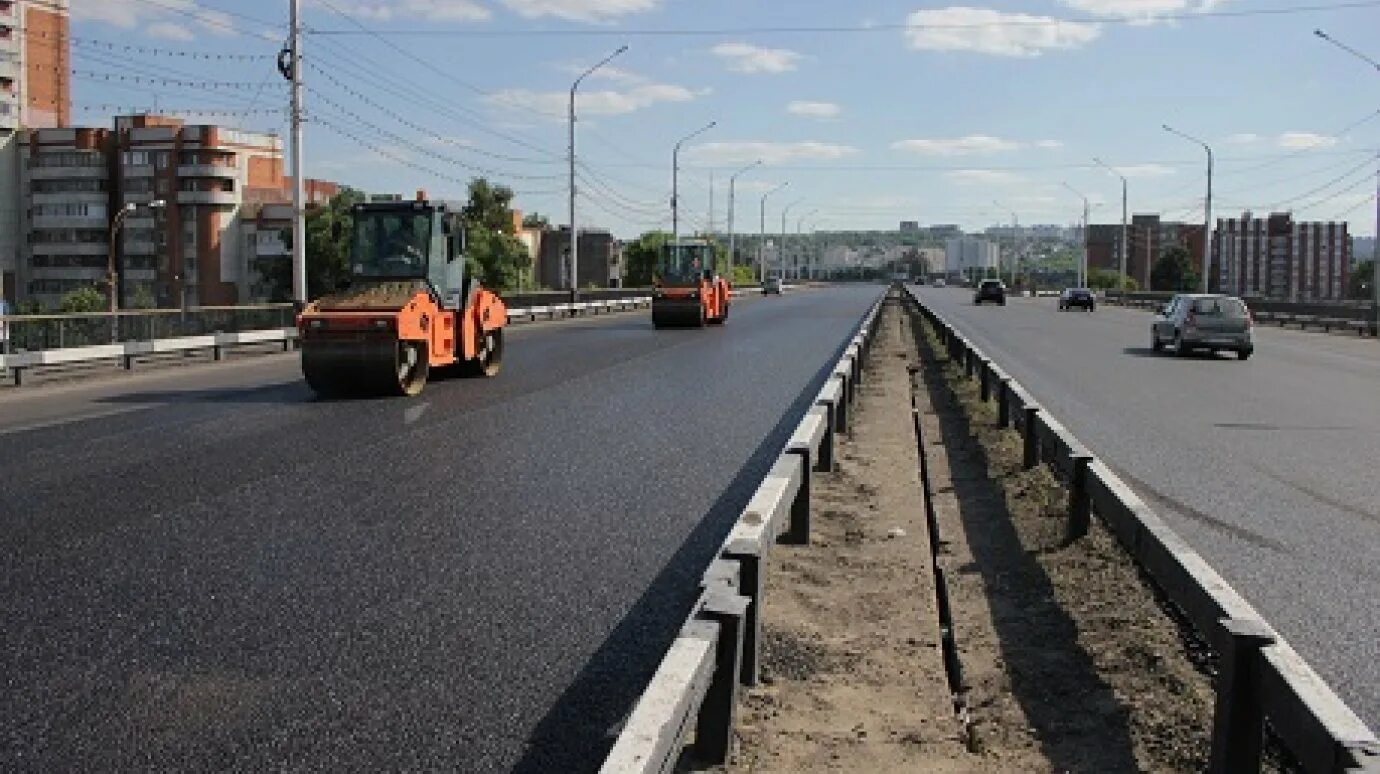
137	170
82	172
97	222
140	247
75	197
228	198
69	248
221	171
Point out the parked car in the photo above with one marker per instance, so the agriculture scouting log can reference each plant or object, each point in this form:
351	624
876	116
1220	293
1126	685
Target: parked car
773	286
990	290
1079	297
1204	321
939	283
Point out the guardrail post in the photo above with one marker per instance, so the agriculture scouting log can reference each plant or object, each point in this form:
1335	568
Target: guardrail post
18	376
751	575
797	533
1080	506
1031	436
986	373
1238	726
969	361
841	409
714	726
825	463
1004	402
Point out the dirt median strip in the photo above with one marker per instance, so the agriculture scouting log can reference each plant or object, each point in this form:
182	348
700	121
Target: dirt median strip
1069	661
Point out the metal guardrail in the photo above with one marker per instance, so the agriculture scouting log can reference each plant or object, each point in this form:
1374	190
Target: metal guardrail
1261	679
1349	315
40	332
694	690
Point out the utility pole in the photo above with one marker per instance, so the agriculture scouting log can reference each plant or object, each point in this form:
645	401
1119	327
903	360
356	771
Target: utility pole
299	213
711	204
1207	206
1125	238
1375	255
574	232
731	180
781	254
762	236
1083	262
675	187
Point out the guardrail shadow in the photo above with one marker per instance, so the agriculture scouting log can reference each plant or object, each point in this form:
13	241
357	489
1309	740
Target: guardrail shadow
282	393
579	729
1052	675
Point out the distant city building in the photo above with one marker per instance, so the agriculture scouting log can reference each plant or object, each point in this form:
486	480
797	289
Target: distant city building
1278	257
1362	249
910	226
35	91
962	254
600	262
1148	238
942	231
207	242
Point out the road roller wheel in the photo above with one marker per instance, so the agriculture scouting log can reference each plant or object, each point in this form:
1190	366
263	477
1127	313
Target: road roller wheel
489	361
411	368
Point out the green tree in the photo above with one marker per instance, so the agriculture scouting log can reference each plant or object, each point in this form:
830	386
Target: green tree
142	298
493	254
1173	271
536	220
1106	279
1358	285
85	299
329	231
743	275
640	257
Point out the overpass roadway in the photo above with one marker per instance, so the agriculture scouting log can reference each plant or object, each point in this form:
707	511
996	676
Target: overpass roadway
1267	466
207	568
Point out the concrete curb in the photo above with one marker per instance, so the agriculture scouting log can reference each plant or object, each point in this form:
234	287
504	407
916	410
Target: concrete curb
654	738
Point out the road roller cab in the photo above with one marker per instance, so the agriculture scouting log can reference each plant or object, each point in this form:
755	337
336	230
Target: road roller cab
687	291
410	307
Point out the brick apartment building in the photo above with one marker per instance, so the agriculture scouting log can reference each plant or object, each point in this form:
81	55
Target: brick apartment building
35	91
203	221
1148	238
600	259
1280	258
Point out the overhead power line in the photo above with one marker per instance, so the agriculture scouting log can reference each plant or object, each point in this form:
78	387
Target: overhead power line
867	28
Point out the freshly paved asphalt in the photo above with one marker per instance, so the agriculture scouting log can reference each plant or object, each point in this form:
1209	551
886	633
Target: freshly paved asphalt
1267	467
207	568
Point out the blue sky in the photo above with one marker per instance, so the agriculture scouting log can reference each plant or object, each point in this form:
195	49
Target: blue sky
930	112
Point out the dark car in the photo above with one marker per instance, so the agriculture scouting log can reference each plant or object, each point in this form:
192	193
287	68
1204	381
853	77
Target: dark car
1203	321
1079	297
990	290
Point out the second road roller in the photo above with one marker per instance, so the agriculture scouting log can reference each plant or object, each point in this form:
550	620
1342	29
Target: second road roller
686	291
410	309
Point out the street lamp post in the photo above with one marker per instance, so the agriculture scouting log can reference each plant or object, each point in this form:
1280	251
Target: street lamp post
1015	241
1207	205
574	233
762	236
795	264
675	185
1083	262
112	271
781	254
731	181
1375	257
1125	238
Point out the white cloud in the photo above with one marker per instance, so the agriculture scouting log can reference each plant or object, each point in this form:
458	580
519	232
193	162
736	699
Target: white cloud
814	109
165	19
430	10
769	152
169	31
579	10
1304	140
1143	11
1048	144
747	58
590	102
982	177
973	144
1242	138
1146	170
960	28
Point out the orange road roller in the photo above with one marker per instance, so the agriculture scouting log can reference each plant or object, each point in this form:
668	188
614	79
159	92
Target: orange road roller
410	308
687	292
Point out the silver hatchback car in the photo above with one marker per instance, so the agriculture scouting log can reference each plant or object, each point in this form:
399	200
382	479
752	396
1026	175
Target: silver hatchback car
1204	321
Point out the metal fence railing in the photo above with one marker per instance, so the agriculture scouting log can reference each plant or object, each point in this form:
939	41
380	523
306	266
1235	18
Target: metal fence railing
40	332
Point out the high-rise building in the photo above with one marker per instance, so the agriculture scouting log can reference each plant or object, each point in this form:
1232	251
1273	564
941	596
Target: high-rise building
1278	257
35	91
963	254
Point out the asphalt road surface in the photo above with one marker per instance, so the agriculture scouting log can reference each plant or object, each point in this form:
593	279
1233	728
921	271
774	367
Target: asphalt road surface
207	568
1267	466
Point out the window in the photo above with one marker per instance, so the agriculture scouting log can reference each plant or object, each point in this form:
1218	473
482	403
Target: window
68	186
69	210
138	185
160	159
136	158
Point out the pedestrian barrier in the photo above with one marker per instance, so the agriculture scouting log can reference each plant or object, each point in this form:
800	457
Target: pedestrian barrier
1261	679
694	691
